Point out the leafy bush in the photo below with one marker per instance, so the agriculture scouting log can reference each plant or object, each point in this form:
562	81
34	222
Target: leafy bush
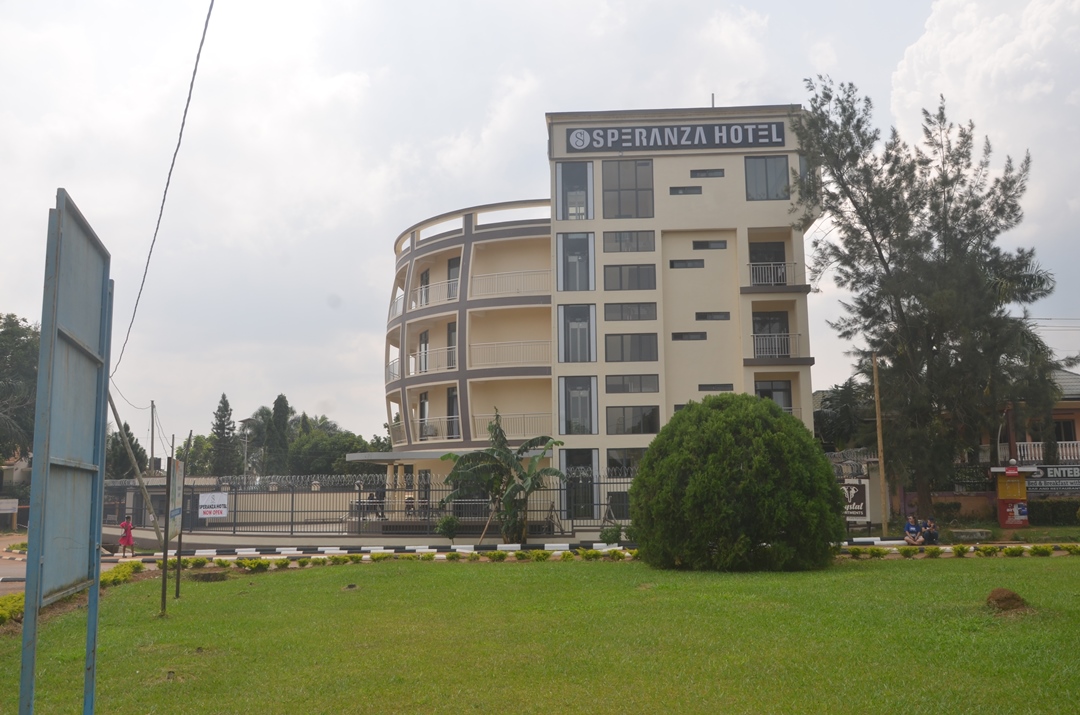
356	558
282	563
630	531
567	556
427	557
11	607
1073	549
947	511
222	563
933	552
474	556
960	550
199	562
1054	512
589	554
20	546
877	552
255	565
185	563
616	555
303	561
908	552
539	555
318	561
1042	550
496	555
406	557
735	484
632	553
453	556
986	550
522	556
447	527
1014	552
856	552
611	534
382	556
339	559
121	573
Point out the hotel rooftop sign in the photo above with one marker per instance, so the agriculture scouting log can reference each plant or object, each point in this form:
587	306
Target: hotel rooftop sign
667	138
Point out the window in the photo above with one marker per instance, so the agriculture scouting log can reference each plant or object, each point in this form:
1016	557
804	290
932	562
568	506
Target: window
1065	430
767	252
712	315
630	347
422	353
577	337
575	255
453	429
579	465
706	173
632	277
771	337
629	311
767	266
453	273
632	383
577	396
573	187
687	263
625	458
633	420
710	245
427	430
425	288
684	190
779	391
767	178
451	345
628	188
679	407
716	387
629	241
689	336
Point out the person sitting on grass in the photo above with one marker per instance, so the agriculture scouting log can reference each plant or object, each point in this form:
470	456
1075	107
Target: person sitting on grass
930	531
912	533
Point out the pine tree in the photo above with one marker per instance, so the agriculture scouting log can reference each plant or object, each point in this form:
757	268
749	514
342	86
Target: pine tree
914	241
225	458
277	441
117	462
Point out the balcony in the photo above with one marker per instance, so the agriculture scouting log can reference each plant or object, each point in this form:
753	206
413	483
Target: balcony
521	352
494	285
1032	453
397	307
772	274
397	433
516	426
436	428
393	370
433	360
433	294
776	345
795	412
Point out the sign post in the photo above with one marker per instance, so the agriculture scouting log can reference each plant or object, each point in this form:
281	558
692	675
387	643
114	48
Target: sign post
213	505
1012	496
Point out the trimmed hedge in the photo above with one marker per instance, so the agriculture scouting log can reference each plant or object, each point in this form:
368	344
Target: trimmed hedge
1053	512
11	608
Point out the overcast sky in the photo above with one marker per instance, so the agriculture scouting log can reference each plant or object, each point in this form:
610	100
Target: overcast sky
319	131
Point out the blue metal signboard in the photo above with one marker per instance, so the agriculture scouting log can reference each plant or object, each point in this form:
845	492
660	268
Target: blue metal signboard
67	479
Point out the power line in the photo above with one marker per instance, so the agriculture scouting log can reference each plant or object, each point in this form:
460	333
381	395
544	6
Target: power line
168	180
124	398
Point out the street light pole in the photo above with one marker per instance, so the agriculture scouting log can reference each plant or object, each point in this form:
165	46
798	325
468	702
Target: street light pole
246	438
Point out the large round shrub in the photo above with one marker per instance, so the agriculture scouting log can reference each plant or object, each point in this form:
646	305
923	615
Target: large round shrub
735	484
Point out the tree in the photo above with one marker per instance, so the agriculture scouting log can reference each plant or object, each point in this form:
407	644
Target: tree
225	457
277	437
117	462
19	343
734	484
506	476
845	410
197	457
319	452
913	239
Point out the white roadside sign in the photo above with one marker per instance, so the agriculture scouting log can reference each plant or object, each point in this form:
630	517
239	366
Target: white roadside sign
213	505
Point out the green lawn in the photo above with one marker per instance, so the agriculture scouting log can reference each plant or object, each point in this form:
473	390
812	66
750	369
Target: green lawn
590	637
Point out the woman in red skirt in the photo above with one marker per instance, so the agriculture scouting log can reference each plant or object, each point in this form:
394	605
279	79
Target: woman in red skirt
126	539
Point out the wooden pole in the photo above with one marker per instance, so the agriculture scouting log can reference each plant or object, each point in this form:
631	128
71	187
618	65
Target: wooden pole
881	456
135	466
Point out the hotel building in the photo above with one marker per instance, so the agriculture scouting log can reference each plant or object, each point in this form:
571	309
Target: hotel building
664	269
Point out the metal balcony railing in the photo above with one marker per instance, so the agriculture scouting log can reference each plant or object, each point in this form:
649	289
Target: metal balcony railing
516	426
433	360
437	428
397	433
776	345
397	307
433	294
772	274
793	411
393	370
512	283
521	352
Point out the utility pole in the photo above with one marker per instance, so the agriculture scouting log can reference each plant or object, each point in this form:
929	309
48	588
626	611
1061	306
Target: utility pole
135	466
152	438
881	456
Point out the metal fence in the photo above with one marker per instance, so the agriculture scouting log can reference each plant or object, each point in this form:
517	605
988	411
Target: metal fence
408	505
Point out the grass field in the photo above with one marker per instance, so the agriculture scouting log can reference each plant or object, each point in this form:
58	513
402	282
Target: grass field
863	636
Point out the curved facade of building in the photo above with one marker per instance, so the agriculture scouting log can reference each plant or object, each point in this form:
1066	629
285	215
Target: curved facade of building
665	268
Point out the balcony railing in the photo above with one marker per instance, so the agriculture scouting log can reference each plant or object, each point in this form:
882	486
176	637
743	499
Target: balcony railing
1033	453
516	426
776	345
397	433
397	307
772	274
793	411
513	283
433	294
437	428
522	352
393	370
433	360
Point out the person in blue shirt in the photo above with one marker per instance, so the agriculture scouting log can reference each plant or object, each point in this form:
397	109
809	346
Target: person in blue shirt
912	532
930	531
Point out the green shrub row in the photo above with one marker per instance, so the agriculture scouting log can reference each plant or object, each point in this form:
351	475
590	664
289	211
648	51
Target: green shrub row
11	608
960	550
121	573
1054	512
